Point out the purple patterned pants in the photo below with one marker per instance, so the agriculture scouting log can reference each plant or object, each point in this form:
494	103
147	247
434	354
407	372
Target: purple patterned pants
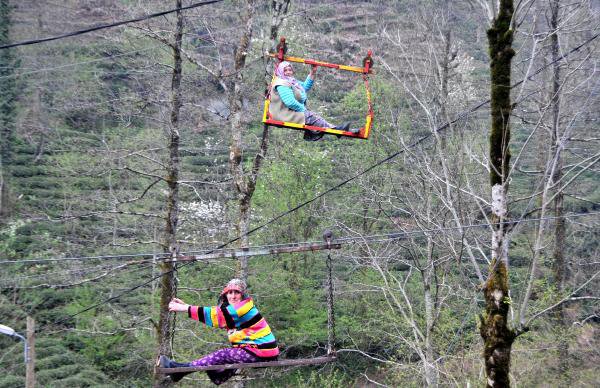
225	356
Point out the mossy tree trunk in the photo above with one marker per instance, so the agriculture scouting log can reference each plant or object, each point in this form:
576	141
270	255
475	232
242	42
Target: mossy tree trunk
170	245
494	326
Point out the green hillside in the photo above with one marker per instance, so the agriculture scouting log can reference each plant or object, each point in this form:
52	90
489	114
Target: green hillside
87	123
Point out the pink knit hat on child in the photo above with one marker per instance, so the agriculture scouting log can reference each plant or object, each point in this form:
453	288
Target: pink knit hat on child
235	284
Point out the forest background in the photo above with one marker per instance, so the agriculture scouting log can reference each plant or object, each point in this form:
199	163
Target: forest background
130	145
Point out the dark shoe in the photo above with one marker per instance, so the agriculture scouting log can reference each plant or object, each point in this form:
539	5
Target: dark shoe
313	135
343	127
165	362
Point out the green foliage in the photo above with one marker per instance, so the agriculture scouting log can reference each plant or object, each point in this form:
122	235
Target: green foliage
11	381
289	182
333	379
8	239
103	114
56	364
107	352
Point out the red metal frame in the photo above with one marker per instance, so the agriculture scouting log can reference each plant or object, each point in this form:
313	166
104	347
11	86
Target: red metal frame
365	70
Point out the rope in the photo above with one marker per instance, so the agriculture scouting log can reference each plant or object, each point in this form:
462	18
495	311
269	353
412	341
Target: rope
174	294
330	311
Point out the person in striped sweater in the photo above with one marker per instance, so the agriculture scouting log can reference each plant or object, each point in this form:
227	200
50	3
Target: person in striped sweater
248	332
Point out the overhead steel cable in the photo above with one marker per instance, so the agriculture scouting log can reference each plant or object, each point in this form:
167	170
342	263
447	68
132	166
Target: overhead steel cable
105	26
341	240
103	59
181	265
363	172
83	258
78	278
66	66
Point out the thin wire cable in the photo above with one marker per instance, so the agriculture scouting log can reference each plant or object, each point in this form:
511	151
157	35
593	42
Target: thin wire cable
106	58
126	268
387	237
393	236
80	271
360	239
365	171
105	26
68	65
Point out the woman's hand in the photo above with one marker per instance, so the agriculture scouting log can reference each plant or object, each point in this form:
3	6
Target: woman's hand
178	306
313	71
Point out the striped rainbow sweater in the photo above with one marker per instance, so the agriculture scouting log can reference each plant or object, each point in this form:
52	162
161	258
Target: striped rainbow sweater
246	327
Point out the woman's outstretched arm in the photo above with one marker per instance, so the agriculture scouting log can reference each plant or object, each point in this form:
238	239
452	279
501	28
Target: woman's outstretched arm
178	306
211	315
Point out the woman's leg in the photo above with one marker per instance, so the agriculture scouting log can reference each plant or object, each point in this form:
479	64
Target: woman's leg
224	356
312	118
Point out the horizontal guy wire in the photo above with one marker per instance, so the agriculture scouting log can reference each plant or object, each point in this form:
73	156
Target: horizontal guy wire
371	238
79	277
102	59
398	235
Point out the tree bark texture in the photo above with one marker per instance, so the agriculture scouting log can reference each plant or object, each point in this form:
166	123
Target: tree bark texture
243	189
500	38
428	273
559	264
168	286
278	9
494	328
245	182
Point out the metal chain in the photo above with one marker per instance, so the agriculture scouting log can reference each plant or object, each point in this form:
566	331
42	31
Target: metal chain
330	311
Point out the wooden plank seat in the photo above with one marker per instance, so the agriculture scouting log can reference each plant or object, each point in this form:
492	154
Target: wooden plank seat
265	364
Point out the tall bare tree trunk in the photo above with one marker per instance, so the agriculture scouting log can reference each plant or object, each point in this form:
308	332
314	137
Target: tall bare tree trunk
431	375
245	183
3	193
494	329
559	265
278	9
165	323
244	188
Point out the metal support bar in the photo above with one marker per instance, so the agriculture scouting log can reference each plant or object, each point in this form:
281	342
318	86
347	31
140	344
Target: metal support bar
330	310
354	69
328	237
30	354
